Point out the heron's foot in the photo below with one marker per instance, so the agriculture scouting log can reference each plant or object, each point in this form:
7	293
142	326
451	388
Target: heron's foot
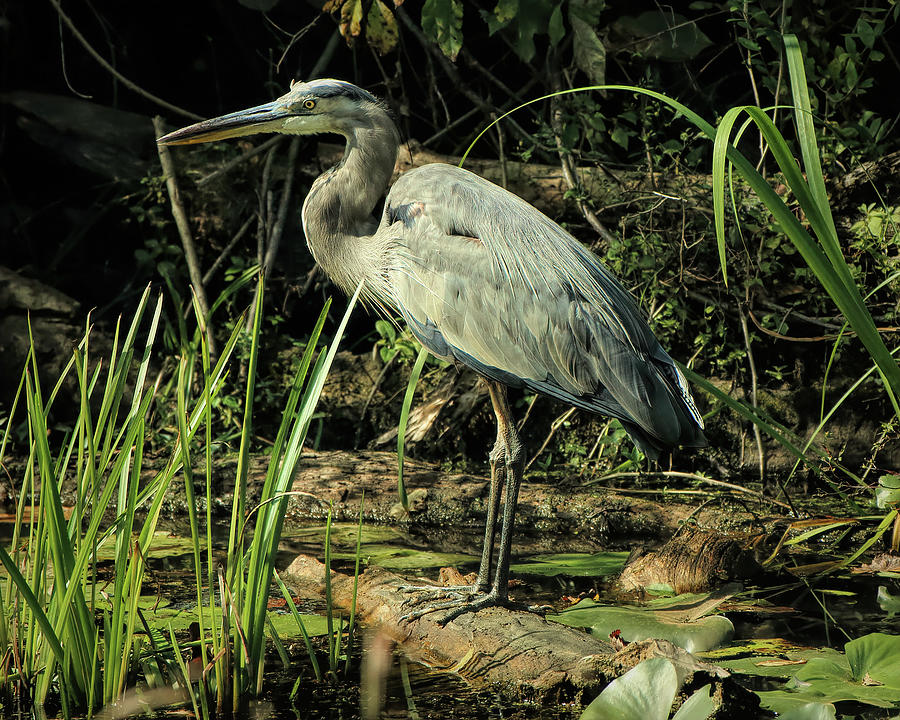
425	594
471	603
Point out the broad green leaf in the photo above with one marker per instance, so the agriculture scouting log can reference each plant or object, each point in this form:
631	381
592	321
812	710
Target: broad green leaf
698	706
524	19
767	657
588	49
887	493
442	22
573	564
645	692
888	602
641	624
869	673
810	711
876	656
556	29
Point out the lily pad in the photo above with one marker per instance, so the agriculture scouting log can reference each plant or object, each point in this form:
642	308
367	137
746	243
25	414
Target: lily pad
637	623
767	657
869	673
394	557
810	711
181	618
162	544
343	534
573	564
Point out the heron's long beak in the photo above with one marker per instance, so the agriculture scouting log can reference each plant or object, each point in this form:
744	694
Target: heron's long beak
262	118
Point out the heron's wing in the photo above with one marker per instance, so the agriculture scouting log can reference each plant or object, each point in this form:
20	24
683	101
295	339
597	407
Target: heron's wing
485	278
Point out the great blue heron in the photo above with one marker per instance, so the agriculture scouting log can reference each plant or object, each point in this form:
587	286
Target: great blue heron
483	279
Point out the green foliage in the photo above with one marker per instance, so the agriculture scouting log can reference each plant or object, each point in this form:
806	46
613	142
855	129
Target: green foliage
442	22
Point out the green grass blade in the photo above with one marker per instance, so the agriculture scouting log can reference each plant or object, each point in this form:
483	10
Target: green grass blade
404	420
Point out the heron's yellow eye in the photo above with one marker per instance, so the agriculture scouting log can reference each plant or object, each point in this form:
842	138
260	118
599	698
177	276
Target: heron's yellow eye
309	104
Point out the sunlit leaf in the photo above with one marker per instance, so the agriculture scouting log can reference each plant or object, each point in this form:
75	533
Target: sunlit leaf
810	711
698	706
588	49
637	623
869	673
645	692
379	28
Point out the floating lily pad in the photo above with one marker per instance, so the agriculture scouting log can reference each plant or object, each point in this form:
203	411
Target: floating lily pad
767	657
286	626
573	564
181	618
637	623
810	711
869	673
343	534
162	544
394	557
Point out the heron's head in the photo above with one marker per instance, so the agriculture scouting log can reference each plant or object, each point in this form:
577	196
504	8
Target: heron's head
318	106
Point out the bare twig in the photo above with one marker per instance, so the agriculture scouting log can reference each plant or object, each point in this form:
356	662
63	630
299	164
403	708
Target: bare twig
568	168
116	74
692	476
231	164
227	249
184	230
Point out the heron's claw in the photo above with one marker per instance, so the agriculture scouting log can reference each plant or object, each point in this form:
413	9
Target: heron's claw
430	593
461	606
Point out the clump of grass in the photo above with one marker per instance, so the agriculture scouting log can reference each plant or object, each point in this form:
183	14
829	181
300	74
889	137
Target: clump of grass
54	587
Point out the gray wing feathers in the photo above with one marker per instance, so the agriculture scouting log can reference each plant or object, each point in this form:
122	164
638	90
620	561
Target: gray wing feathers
485	278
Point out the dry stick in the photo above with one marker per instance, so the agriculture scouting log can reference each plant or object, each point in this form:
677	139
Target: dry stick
116	74
184	231
267	258
227	249
231	164
694	476
565	161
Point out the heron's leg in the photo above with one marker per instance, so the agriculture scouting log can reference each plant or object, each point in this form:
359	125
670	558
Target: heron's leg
514	457
498	474
510	465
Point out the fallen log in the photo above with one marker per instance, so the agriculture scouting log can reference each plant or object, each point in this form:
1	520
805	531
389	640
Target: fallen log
516	652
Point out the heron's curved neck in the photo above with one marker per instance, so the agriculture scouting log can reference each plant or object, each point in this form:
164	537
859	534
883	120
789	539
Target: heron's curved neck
337	213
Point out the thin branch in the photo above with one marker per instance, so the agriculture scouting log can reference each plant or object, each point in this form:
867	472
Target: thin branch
207	276
693	476
231	164
116	74
184	230
568	168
